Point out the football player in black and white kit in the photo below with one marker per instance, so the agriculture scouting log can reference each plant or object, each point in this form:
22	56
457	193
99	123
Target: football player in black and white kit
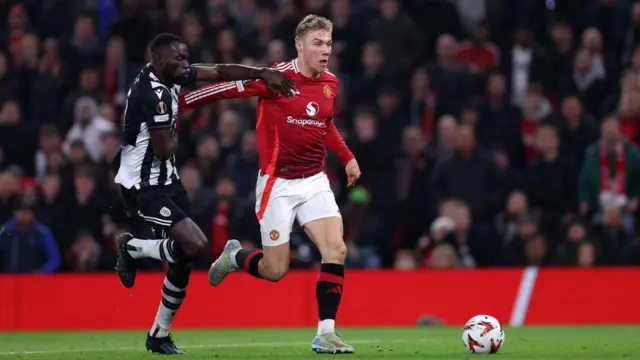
146	171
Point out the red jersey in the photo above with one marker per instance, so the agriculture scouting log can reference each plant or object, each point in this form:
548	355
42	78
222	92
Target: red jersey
291	132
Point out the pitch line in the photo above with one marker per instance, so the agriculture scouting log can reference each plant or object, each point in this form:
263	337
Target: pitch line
209	346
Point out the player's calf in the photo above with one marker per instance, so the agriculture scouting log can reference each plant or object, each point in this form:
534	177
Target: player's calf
326	233
271	264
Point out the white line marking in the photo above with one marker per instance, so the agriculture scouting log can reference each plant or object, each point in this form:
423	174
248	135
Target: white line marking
210	346
520	308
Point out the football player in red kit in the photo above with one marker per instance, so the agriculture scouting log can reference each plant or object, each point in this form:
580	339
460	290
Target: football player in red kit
292	134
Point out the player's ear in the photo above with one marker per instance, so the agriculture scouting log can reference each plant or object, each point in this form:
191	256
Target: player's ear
298	45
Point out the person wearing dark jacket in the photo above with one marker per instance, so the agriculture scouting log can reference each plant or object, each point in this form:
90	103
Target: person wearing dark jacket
26	245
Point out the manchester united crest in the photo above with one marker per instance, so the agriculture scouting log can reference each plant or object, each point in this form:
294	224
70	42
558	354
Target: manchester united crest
274	235
327	91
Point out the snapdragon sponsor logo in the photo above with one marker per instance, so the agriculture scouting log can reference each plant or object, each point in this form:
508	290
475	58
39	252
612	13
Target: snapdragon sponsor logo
305	122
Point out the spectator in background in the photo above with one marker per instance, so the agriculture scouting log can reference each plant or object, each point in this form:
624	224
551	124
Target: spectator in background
570	252
451	178
561	54
629	116
588	80
84	47
244	165
629	82
392	26
551	183
373	73
118	73
50	143
507	222
600	62
577	128
88	127
449	77
614	239
362	230
446	137
413	169
18	27
536	111
423	103
50	209
498	125
85	209
525	64
610	174
479	54
208	160
9	195
26	245
16	138
88	86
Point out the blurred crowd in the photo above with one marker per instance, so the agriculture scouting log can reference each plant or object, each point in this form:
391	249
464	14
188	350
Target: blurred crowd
489	132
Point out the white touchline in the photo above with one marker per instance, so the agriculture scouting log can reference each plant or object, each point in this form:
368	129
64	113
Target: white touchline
521	306
210	346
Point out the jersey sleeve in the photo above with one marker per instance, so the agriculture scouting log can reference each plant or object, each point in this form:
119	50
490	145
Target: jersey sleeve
336	144
224	90
157	111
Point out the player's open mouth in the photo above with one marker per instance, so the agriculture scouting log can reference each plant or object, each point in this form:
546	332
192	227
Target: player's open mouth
324	62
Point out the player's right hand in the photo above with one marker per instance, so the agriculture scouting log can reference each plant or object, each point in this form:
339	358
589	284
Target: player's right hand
278	82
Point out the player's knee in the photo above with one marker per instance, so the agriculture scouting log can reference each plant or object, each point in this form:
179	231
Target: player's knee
336	251
195	247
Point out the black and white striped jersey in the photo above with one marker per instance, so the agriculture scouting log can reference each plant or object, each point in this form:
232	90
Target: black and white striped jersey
151	106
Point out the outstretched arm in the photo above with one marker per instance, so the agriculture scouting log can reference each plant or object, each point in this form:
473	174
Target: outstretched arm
223	90
275	80
227	72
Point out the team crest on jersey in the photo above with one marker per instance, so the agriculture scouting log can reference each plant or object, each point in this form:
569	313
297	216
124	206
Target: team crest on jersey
327	91
165	212
274	235
161	108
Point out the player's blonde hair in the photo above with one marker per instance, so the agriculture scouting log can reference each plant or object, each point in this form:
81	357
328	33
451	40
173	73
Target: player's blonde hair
312	23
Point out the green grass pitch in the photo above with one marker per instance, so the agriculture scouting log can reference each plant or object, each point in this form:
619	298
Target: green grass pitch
598	342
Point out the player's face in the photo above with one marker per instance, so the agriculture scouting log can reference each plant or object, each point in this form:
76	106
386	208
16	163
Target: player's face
316	49
175	61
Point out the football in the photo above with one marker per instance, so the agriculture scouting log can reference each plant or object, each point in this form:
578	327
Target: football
483	334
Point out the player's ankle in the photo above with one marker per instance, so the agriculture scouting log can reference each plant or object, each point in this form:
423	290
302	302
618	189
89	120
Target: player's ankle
234	257
326	326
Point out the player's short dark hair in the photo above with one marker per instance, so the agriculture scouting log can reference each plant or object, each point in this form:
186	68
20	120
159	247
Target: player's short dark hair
163	40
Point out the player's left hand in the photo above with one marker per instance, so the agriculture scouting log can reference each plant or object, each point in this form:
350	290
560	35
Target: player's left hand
353	172
278	82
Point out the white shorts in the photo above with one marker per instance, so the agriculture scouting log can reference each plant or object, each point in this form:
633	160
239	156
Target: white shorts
280	201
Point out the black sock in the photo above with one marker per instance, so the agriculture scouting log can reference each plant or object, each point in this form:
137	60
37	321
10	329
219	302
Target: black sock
329	290
248	260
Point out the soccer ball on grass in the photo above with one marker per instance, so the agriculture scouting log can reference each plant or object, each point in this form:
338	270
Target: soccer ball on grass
483	334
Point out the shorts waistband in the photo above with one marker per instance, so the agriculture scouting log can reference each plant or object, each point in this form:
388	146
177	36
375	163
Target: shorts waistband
290	176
